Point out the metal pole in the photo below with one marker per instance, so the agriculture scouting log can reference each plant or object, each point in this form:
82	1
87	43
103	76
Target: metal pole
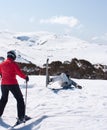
47	74
26	97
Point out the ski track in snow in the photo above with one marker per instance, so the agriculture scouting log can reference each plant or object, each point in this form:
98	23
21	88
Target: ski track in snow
76	109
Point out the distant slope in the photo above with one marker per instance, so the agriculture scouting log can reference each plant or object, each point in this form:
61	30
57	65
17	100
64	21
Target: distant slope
36	47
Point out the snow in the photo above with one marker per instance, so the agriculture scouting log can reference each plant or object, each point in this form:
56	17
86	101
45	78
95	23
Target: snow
75	109
36	47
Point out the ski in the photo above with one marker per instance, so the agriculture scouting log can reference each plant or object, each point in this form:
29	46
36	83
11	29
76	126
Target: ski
17	124
33	121
47	73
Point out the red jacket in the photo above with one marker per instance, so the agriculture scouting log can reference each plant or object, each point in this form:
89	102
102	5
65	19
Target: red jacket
9	69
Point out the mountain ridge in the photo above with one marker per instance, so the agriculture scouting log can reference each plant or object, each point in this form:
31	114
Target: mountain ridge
37	46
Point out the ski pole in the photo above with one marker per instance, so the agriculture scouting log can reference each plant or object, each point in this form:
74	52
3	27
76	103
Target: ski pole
47	74
26	97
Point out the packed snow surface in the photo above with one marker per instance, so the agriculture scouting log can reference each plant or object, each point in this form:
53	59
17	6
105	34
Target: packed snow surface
73	109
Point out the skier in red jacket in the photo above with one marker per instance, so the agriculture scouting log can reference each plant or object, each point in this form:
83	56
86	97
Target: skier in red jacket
8	71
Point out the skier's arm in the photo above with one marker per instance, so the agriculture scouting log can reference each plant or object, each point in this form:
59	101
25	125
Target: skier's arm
19	72
0	70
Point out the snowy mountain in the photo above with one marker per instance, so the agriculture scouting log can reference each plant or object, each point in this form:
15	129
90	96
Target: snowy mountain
76	109
36	47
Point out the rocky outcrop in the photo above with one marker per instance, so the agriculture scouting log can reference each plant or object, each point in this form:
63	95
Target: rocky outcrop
77	68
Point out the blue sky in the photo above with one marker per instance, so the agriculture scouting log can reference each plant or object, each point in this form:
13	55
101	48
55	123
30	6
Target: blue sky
86	19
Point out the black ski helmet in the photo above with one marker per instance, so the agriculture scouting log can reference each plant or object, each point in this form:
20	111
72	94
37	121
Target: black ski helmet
11	54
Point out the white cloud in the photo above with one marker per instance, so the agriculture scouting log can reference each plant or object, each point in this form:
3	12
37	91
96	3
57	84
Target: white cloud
104	36
94	38
64	20
100	39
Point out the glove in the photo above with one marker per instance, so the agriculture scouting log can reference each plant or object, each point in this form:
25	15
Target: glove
27	79
80	87
51	80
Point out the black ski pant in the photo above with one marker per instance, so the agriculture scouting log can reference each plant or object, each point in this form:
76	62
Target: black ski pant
15	90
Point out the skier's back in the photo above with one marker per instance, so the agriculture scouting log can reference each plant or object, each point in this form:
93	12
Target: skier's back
8	71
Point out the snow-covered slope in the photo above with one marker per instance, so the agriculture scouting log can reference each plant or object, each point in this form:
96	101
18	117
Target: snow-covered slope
36	47
84	109
76	109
